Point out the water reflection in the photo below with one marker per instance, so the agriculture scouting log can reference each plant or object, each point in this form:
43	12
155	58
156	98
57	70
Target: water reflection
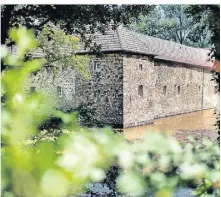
201	120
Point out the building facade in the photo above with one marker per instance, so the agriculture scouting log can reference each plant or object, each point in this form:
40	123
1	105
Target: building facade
138	79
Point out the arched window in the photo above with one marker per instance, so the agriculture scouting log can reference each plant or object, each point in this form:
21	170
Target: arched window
140	90
164	90
178	90
140	67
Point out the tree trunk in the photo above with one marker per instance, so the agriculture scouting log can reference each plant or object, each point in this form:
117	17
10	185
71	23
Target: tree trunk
5	22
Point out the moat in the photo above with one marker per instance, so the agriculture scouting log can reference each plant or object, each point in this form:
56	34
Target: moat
200	123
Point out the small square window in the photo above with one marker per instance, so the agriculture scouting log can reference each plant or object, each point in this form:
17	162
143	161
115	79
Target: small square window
33	89
59	91
48	69
96	65
140	67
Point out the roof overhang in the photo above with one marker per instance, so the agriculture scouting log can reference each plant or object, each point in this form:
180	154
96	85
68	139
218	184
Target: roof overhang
105	51
183	62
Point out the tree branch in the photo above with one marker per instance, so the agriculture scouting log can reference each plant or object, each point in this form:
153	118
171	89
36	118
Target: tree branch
43	23
40	138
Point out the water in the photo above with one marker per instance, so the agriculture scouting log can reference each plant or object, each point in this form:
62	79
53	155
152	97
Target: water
200	121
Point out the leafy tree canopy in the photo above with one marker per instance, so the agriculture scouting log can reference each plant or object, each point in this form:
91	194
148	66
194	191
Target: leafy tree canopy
213	19
212	13
78	19
171	22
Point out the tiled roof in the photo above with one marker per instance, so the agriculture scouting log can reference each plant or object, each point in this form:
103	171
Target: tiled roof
129	41
120	39
125	40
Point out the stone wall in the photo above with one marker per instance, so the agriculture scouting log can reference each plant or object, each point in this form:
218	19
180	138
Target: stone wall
178	89
168	89
49	81
130	90
101	93
138	109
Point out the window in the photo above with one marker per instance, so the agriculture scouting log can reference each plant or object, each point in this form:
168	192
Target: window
140	67
59	92
48	69
178	90
106	99
33	89
96	65
140	90
215	90
164	90
199	88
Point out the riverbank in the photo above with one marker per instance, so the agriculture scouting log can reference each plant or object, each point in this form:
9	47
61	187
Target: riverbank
199	124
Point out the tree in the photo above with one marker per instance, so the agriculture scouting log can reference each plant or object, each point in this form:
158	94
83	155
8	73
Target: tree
80	20
74	19
211	16
212	13
170	22
62	165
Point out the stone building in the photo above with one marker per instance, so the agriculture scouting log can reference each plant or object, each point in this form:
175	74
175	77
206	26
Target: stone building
138	79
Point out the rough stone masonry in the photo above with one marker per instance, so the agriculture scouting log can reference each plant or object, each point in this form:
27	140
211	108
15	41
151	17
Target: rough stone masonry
138	79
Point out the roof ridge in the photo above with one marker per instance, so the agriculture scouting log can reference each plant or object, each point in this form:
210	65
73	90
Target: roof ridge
119	38
169	41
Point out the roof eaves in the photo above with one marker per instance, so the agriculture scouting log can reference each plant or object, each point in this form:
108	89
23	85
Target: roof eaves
183	62
115	50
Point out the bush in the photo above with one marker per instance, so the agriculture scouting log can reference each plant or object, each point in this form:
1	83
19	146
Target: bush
78	155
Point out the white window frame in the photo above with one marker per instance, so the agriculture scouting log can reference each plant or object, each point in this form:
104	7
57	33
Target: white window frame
59	91
95	65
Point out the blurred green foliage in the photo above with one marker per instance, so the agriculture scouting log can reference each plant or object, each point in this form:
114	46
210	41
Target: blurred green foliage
63	164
